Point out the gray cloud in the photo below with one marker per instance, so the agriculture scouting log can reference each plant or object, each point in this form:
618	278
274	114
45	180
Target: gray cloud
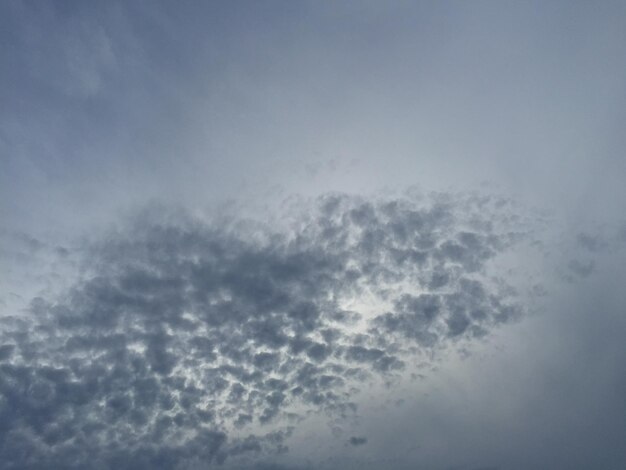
357	441
184	330
180	343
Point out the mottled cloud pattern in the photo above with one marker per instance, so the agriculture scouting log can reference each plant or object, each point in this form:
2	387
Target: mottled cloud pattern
189	342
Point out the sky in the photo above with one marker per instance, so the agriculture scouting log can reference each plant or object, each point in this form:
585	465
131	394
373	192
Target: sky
303	235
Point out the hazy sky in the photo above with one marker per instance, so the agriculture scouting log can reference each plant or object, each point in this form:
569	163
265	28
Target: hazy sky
312	235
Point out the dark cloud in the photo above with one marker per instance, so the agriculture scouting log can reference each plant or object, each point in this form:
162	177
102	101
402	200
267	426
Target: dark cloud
580	269
592	243
6	351
358	441
186	340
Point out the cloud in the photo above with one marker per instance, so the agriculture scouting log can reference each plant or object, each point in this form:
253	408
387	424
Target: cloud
358	441
191	340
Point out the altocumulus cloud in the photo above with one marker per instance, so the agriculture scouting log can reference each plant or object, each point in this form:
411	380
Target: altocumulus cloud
192	342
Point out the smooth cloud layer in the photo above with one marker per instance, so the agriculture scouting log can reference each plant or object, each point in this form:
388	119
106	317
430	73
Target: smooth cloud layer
191	342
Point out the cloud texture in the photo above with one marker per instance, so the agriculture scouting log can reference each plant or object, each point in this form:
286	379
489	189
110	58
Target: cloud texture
189	341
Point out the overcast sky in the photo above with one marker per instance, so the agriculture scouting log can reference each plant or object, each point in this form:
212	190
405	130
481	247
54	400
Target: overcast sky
312	235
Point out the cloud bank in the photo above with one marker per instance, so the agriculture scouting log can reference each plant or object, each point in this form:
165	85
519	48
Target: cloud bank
193	342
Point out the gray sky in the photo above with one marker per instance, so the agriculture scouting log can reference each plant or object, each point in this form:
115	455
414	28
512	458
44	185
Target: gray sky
312	235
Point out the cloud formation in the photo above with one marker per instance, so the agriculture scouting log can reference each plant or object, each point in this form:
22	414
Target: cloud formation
357	441
191	341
